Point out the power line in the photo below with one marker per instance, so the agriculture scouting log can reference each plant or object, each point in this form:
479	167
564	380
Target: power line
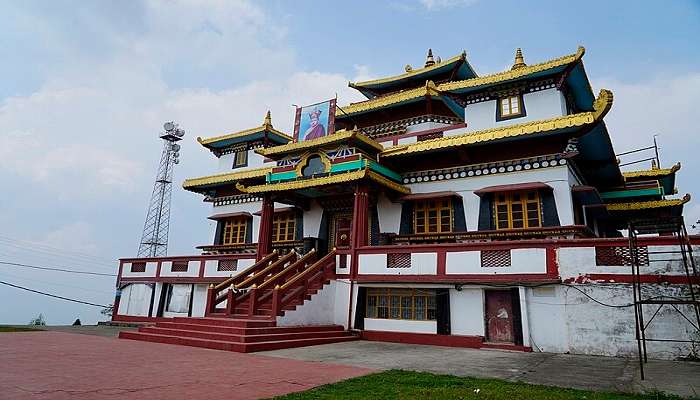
5	274
38	252
53	295
55	269
35	244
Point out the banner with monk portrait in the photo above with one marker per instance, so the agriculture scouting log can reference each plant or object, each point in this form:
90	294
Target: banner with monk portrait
314	121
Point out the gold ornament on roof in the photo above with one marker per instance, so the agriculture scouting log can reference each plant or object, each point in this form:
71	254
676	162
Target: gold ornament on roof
408	68
429	61
268	119
519	60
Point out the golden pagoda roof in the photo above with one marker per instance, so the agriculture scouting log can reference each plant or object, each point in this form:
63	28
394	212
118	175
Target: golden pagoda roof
337	137
601	106
645	205
521	71
654	172
194	183
429	89
323	181
411	72
266	126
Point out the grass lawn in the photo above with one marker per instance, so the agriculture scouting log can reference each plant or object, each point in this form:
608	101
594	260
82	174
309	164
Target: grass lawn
5	328
396	384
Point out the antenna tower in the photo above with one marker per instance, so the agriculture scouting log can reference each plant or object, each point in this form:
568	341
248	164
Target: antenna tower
154	239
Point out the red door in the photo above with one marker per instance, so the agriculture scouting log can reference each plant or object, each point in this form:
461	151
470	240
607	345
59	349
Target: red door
343	227
499	316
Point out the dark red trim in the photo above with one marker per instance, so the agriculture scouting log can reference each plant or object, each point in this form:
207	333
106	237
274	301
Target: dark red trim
441	263
551	260
628	278
278	210
395	138
201	268
173	279
191	258
513	187
346	159
474	342
283	169
461	278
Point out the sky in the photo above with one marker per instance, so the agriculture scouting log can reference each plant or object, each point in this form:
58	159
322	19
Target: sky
86	87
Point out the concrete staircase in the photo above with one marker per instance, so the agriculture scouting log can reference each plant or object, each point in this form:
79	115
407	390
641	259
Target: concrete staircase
239	335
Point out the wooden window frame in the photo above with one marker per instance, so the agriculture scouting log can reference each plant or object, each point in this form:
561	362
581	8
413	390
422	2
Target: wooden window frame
288	219
421	210
508	202
240	158
508	113
239	225
401	304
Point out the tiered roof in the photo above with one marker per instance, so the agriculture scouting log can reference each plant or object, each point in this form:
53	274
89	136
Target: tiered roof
264	131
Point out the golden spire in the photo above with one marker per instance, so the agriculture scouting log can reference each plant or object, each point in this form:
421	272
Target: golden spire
653	165
429	60
519	60
268	119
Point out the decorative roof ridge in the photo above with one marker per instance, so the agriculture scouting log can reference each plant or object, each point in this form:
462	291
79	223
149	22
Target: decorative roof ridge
460	57
601	106
513	73
643	205
332	138
322	181
225	177
429	89
652	172
266	126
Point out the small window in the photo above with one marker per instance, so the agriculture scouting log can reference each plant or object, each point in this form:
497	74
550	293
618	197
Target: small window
235	230
240	159
227	265
179	266
517	210
314	166
410	304
283	227
510	106
433	216
138	267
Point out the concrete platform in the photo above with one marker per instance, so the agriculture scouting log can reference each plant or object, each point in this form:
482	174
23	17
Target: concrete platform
563	370
58	365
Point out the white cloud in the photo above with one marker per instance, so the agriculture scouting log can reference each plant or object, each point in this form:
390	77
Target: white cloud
443	4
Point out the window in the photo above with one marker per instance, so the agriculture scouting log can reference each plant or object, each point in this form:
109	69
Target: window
240	158
510	106
412	304
314	166
179	266
138	267
227	265
235	230
283	227
433	216
517	210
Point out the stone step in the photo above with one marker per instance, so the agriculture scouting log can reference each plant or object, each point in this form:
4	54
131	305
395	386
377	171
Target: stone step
245	337
234	322
241	330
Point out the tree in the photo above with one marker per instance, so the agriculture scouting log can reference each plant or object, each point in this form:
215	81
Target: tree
108	310
38	321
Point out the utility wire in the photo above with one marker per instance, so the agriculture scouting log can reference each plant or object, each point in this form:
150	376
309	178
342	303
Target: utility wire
53	295
55	269
45	246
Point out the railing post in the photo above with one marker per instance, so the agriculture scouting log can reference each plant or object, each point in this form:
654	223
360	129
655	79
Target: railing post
230	301
252	300
276	301
210	300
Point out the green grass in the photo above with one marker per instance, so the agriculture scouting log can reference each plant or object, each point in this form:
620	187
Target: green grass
17	329
397	384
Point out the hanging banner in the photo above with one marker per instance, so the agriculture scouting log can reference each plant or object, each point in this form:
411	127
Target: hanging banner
314	121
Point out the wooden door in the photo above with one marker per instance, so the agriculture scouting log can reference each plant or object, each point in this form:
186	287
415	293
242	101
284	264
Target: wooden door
499	316
343	229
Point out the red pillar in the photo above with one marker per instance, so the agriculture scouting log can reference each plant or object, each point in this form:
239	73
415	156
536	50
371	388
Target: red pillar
359	216
265	231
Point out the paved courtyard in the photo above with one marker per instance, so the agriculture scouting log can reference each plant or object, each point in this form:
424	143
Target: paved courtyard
58	365
564	370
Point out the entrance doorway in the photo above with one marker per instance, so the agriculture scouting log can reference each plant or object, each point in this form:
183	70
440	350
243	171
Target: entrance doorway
341	230
500	316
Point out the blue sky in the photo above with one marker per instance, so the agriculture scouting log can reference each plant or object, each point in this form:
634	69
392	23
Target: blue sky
87	86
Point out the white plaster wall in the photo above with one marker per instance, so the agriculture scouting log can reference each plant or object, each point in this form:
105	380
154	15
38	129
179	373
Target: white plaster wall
348	265
556	177
407	140
523	261
467	312
199	301
192	269
211	267
135	300
342	302
320	310
255	160
312	220
421	264
400	325
150	271
389	215
543	104
546	316
424	126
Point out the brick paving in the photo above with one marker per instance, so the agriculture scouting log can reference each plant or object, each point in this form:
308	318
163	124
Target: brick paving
57	365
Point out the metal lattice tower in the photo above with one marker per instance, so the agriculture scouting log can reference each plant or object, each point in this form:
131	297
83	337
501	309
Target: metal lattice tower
154	239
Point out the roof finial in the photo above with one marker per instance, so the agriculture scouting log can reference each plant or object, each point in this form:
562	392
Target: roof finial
519	60
653	165
268	119
429	60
